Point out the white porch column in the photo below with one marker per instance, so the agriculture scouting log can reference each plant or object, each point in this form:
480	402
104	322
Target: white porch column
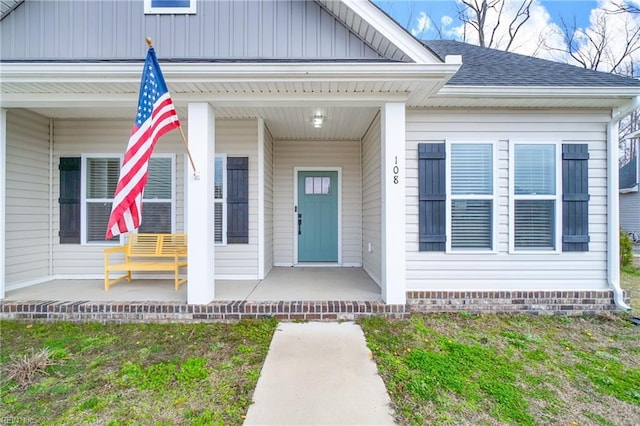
201	130
393	203
261	228
3	193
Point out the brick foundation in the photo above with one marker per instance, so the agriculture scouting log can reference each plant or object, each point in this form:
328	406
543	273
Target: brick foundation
530	302
177	312
515	302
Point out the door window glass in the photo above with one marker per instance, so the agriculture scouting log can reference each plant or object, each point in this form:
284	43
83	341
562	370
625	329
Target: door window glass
316	185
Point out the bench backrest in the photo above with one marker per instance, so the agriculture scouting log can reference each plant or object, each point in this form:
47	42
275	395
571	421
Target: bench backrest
142	245
172	242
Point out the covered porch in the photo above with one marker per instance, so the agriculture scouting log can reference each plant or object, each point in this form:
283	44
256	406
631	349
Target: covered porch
281	284
286	294
362	142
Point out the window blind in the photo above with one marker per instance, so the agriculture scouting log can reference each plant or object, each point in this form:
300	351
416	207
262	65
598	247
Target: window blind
471	226
535	169
471	175
471	169
534	224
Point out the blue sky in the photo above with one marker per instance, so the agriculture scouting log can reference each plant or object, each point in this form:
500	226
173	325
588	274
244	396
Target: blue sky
542	35
405	10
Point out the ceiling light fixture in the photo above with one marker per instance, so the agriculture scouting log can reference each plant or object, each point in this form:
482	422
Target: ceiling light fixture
317	121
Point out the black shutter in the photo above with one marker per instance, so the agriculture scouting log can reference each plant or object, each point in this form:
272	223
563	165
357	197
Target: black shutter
69	200
237	200
575	197
431	176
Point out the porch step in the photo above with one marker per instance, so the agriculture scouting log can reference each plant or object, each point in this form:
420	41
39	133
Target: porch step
181	312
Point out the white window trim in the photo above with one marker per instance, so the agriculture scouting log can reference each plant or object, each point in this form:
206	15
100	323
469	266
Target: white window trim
493	197
223	200
149	9
83	202
83	197
173	189
557	197
296	170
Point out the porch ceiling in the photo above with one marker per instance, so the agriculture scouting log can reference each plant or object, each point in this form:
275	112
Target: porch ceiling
287	96
284	123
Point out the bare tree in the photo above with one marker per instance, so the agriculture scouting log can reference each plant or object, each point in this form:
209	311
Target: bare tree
624	7
593	47
491	24
609	44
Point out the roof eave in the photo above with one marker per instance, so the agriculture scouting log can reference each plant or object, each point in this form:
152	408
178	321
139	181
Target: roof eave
537	91
534	96
126	72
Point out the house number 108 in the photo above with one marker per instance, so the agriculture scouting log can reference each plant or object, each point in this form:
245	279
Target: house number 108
396	170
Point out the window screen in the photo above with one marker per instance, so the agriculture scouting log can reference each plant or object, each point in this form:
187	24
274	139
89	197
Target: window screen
472	196
535	192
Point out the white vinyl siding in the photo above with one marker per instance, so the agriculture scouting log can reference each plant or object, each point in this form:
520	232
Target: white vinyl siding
72	138
238	138
372	202
502	270
268	201
630	212
233	137
291	154
630	207
27	197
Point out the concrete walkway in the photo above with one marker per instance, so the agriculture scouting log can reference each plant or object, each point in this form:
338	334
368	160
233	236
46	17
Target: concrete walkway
319	374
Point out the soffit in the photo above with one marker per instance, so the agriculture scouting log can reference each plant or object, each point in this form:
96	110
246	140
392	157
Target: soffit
284	123
364	30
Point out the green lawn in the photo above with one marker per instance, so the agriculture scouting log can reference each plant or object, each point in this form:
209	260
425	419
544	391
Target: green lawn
161	374
630	281
501	369
439	369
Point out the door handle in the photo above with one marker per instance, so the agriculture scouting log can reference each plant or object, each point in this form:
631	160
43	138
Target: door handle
299	223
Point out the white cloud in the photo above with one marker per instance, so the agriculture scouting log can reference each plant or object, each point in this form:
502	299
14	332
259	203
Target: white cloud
616	31
423	25
540	36
537	31
447	20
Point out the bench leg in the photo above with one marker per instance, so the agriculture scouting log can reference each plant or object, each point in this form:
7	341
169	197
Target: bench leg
109	282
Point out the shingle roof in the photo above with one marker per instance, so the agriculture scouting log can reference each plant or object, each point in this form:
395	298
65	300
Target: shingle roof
482	66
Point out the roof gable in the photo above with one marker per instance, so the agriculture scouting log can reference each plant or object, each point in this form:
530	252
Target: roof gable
222	30
482	66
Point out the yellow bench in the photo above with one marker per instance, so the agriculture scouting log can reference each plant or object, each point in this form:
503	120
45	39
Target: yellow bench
147	253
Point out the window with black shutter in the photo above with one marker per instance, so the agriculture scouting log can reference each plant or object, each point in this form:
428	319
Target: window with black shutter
432	196
237	200
575	197
69	200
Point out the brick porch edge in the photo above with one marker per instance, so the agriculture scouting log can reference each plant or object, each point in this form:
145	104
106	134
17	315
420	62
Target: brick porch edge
531	302
534	302
179	312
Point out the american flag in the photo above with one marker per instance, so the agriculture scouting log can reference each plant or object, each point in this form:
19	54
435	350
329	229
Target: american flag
156	116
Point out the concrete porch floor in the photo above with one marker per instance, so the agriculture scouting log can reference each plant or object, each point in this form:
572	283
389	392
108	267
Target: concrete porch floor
281	284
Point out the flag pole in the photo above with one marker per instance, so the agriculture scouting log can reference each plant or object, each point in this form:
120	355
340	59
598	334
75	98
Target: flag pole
196	174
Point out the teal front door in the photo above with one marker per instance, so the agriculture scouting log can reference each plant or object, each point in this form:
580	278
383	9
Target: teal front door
317	218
